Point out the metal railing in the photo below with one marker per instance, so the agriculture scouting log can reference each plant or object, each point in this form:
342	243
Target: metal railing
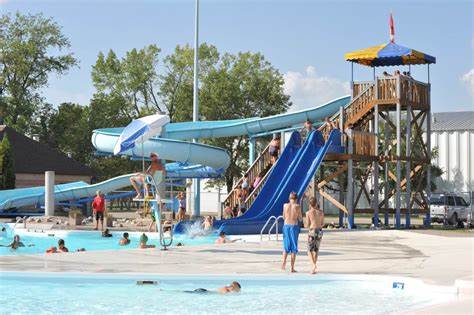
274	225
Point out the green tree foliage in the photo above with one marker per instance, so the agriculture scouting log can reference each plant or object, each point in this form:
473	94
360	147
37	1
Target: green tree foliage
7	168
130	80
26	61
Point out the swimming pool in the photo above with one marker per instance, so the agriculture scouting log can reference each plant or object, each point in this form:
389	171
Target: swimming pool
26	293
90	240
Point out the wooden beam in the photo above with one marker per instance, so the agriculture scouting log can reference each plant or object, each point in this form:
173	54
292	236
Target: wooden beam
333	201
332	176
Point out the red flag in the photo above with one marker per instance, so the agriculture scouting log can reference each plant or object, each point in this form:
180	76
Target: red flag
392	29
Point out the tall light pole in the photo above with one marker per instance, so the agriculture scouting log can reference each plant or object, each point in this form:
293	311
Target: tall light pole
196	182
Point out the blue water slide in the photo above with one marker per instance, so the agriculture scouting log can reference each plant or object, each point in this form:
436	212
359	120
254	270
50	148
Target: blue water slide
271	184
251	126
17	198
296	178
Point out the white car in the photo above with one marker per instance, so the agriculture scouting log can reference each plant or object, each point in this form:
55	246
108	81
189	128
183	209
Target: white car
449	208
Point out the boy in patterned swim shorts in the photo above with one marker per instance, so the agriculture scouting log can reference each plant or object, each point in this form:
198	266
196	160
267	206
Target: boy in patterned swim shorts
315	222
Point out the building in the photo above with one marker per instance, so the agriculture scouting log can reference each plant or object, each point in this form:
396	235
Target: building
32	159
452	133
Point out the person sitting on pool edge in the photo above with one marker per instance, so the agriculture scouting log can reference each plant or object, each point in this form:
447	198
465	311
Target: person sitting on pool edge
124	240
106	233
234	287
143	242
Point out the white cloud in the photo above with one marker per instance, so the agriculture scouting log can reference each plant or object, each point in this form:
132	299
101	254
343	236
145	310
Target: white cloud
309	89
468	79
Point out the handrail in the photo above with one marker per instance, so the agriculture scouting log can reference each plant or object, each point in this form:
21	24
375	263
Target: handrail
257	189
275	224
257	166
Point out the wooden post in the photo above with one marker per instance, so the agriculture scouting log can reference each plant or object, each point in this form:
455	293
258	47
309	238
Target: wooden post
387	186
407	169
399	164
350	180
428	167
375	171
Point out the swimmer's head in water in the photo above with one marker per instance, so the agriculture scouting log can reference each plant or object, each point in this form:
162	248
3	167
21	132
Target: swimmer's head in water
293	196
235	286
61	243
222	234
16	238
143	239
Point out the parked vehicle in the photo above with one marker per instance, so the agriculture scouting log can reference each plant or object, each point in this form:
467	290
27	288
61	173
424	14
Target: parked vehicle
449	208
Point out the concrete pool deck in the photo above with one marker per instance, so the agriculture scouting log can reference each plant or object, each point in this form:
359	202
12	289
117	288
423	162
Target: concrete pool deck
435	259
441	260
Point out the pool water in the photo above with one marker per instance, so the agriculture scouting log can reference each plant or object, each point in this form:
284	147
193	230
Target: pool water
101	294
90	240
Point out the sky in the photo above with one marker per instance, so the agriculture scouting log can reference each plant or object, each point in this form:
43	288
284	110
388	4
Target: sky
304	40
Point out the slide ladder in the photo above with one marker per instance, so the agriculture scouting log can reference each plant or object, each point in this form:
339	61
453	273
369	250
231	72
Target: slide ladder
157	203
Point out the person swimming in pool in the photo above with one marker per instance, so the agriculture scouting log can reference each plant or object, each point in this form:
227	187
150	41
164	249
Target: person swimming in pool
292	215
234	287
124	240
16	243
143	242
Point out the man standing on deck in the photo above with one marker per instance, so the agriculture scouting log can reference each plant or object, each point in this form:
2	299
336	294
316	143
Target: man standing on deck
315	222
98	208
292	216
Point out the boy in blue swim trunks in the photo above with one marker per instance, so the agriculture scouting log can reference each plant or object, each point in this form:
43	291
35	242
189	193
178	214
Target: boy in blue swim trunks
292	216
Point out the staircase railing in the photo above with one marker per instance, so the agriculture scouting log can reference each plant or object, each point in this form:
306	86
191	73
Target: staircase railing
260	164
251	197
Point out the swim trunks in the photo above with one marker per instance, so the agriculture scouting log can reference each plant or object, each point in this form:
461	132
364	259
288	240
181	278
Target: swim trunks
290	238
314	239
99	215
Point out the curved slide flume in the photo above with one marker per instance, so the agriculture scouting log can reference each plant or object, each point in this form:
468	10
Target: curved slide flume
17	198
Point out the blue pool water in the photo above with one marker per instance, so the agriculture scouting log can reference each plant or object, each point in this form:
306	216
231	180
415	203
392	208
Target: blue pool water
90	240
101	294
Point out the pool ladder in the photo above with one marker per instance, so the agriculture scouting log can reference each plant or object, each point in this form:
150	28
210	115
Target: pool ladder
274	226
165	241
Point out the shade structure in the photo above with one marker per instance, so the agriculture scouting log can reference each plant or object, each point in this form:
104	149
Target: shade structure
390	54
140	130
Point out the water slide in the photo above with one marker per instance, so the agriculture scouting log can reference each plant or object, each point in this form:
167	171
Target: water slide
16	198
193	159
293	171
293	177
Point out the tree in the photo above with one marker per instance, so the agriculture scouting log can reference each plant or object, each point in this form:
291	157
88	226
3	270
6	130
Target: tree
26	61
7	168
243	85
70	131
176	84
131	79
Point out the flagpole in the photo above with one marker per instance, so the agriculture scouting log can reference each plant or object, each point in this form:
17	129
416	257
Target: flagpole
196	182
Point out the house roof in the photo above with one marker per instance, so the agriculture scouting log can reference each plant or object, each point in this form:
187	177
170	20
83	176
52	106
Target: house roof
452	121
32	157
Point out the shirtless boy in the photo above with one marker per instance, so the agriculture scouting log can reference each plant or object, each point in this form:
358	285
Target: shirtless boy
291	229
315	222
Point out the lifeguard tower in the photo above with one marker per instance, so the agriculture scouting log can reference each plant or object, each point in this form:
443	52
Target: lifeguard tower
388	155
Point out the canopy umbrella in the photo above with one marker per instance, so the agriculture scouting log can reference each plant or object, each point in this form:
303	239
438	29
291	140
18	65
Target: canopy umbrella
390	54
138	131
